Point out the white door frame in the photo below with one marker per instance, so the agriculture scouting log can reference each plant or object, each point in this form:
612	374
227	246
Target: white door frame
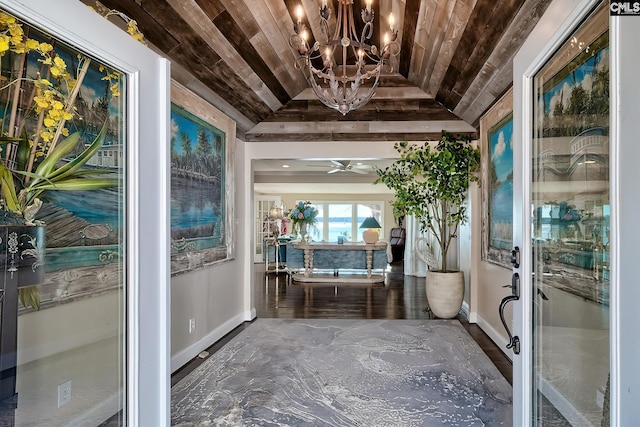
147	182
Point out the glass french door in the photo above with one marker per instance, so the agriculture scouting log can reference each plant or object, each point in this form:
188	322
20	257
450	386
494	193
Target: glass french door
103	298
566	194
263	222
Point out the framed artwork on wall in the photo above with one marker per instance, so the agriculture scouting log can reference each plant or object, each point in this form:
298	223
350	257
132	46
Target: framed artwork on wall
83	209
202	141
496	138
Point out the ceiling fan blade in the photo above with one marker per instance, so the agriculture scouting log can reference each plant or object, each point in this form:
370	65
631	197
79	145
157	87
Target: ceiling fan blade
335	170
340	163
360	171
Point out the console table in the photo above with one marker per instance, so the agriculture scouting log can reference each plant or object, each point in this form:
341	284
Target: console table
312	257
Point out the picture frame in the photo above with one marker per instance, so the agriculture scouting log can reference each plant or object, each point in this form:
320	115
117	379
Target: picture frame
496	141
202	183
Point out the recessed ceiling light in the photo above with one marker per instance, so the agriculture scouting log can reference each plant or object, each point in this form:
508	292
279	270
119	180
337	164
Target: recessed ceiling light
285	166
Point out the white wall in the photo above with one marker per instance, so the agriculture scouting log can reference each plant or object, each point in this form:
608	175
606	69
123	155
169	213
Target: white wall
487	278
214	298
63	343
483	280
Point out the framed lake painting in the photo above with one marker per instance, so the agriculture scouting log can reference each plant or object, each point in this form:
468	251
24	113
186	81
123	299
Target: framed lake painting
496	129
201	205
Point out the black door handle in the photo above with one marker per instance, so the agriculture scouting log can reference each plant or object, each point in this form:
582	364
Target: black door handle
514	341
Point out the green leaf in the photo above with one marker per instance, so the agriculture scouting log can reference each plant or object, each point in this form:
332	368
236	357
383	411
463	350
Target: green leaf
29	297
24	151
77	184
83	157
8	188
65	146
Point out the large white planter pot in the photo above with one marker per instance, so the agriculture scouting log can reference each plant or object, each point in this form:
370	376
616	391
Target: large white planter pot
445	292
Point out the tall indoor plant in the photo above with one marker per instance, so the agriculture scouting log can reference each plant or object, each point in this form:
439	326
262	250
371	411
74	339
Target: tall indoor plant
431	183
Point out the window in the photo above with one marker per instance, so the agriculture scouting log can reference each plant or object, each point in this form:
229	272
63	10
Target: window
340	218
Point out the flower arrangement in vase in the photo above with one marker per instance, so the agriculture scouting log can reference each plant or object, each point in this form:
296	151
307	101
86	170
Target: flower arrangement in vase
302	216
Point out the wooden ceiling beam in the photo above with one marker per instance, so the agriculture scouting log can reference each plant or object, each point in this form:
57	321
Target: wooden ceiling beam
496	75
205	62
435	37
251	107
409	25
275	28
245	49
364	137
486	25
390	110
263	45
153	31
450	43
211	8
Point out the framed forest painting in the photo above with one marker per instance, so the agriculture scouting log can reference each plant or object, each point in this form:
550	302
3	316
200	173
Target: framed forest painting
201	182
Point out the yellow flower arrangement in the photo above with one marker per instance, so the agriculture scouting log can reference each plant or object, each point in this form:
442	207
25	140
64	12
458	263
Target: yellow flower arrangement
50	105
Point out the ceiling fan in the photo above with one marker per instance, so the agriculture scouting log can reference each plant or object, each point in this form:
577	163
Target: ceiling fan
344	166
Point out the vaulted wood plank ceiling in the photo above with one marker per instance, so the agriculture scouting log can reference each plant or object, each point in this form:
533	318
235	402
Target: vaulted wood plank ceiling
455	61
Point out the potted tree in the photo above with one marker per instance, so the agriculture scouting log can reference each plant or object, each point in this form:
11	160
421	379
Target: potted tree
431	183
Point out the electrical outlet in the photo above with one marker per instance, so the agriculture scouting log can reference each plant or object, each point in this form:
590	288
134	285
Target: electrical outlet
64	393
192	325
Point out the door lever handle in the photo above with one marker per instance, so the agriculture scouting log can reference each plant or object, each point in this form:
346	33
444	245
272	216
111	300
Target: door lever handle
514	341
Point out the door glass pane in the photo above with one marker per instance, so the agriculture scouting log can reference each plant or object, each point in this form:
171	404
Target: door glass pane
264	226
62	330
570	230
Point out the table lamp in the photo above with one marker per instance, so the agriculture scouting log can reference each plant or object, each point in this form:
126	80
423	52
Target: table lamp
275	212
371	234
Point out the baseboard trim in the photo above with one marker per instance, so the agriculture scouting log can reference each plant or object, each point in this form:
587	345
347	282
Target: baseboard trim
183	357
249	315
562	404
495	336
98	414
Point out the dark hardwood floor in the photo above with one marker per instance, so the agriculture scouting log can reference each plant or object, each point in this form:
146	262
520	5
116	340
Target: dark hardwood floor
401	297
